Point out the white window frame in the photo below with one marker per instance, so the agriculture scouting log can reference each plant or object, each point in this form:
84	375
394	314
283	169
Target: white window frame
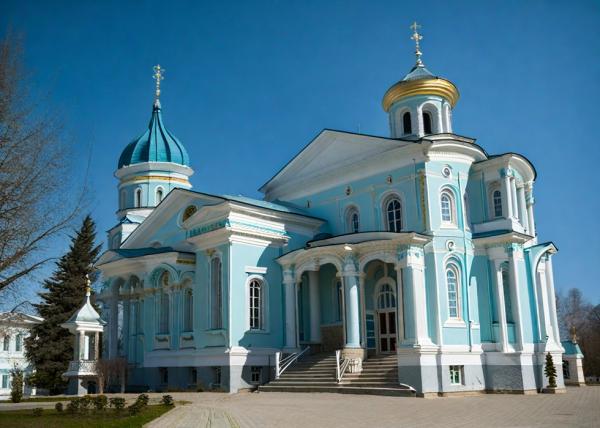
449	194
496	187
410	131
451	267
255	371
262	304
6	343
352	225
138	196
158	200
19	343
456	374
397	219
216	293
188	309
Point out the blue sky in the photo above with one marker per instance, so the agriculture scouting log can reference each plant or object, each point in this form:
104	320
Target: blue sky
249	83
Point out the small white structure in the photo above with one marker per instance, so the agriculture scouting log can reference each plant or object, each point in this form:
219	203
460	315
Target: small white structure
573	362
14	329
86	325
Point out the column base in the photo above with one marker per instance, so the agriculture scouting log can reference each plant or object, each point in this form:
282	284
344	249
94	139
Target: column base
356	357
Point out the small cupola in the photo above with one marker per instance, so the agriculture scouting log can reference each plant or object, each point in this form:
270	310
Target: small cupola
421	103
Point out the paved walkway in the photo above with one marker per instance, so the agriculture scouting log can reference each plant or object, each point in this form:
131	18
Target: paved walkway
579	407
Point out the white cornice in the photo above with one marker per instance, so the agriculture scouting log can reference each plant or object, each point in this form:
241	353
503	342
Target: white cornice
163	167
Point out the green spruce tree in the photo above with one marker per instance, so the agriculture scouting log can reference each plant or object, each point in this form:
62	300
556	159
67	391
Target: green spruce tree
550	371
50	347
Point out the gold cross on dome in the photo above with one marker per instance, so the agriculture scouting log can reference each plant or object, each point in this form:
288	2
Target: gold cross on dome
417	38
158	76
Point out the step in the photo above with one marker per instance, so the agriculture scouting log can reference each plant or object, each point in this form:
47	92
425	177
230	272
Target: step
399	392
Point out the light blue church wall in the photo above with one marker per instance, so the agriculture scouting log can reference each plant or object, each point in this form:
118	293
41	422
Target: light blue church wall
480	269
242	256
367	195
328	295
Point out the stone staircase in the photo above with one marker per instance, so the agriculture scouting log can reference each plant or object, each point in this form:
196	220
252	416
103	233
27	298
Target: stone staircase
316	373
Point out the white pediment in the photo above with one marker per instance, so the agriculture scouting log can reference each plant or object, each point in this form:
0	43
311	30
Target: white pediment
331	151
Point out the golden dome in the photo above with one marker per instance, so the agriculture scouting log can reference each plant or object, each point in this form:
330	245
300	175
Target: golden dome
424	85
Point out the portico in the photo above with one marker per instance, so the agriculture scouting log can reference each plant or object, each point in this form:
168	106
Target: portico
362	293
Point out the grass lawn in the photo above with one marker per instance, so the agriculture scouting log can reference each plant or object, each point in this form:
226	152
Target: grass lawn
51	418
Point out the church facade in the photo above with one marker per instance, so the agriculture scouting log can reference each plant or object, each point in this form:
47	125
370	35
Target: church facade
419	245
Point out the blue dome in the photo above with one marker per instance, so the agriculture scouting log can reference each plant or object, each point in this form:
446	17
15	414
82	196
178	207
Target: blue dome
157	144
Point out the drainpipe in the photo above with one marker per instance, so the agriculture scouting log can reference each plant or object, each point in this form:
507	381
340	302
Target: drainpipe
468	282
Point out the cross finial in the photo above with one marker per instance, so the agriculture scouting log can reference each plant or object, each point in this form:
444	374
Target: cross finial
417	38
88	285
158	76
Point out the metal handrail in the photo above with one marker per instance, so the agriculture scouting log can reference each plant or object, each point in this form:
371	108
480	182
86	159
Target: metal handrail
282	364
340	369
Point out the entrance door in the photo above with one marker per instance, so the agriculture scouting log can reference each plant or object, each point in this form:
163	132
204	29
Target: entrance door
386	309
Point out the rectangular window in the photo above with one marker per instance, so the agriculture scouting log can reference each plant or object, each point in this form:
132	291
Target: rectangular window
188	312
19	343
255	374
4	381
456	375
164	375
216	293
193	376
164	314
217	376
6	343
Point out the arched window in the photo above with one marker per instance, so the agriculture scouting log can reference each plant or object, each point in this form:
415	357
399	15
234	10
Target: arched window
216	304
164	313
138	198
256	304
6	343
19	343
188	310
386	298
453	286
506	292
497	203
427	122
339	297
393	210
448	209
406	123
352	220
159	195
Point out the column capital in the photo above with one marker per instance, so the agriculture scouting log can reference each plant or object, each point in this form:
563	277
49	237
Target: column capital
288	275
410	256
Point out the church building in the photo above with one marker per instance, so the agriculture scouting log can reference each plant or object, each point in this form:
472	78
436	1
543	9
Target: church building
414	255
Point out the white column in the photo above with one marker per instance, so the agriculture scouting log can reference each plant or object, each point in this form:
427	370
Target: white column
96	345
523	208
501	307
315	307
351	301
529	202
126	320
113	327
507	196
543	306
514	284
414	279
289	286
81	346
552	299
513	194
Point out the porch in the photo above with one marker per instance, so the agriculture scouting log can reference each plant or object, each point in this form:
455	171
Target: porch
363	294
